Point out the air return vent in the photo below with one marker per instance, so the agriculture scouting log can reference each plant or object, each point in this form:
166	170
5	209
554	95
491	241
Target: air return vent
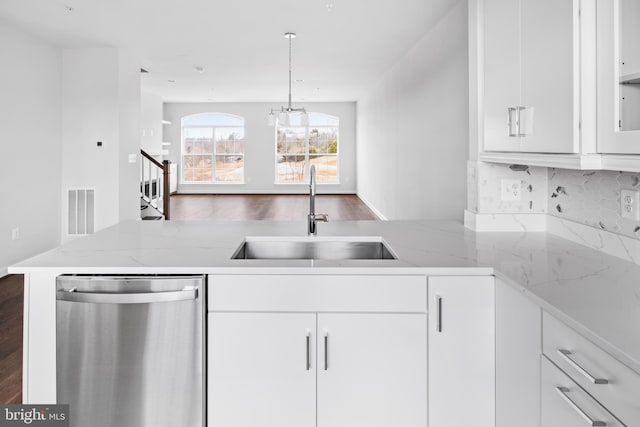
81	203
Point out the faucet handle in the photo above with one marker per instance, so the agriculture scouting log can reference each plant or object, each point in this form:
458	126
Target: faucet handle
322	217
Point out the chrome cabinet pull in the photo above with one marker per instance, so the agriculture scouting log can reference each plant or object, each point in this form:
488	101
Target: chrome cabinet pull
564	393
528	124
308	342
511	112
519	120
439	313
566	356
326	351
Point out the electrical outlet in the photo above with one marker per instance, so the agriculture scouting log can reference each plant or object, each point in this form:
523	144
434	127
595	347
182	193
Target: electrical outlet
630	204
15	234
510	189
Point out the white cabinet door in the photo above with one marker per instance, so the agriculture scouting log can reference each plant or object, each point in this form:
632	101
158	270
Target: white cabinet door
618	76
261	371
550	75
531	65
565	404
518	349
501	73
461	352
375	370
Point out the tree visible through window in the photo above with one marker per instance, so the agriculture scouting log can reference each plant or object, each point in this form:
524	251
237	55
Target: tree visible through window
213	148
298	147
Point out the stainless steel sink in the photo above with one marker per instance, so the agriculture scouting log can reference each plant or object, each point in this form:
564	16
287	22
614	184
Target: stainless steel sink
327	248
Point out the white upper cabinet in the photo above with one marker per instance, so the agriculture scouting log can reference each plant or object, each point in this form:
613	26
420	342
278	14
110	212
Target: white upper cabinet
501	74
532	76
618	76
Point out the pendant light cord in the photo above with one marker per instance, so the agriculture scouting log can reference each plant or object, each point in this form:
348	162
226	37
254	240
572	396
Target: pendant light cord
290	74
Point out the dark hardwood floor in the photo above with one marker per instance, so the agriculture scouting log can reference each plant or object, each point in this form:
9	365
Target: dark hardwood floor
340	207
11	302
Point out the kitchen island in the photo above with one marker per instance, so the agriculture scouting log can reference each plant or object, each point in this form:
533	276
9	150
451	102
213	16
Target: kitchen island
595	294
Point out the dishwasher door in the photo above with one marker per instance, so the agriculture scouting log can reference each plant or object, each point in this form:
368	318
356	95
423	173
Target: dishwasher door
130	350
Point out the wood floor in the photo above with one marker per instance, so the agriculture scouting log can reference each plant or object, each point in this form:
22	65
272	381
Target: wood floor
11	301
279	207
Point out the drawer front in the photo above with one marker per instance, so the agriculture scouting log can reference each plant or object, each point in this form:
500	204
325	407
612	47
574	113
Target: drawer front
312	293
566	404
613	384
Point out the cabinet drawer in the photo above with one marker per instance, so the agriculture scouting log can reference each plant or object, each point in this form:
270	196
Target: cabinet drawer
566	404
613	384
392	294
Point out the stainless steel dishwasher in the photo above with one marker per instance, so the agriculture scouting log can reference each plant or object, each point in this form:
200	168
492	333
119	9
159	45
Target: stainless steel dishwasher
130	350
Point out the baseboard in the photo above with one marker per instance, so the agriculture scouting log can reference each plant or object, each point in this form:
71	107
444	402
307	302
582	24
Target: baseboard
373	208
298	190
605	241
505	222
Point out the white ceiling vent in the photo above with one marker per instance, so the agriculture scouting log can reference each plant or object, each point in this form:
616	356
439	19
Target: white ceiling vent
81	213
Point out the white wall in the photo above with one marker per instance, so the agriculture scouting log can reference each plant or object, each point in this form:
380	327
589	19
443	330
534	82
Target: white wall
413	128
129	111
101	102
151	122
260	146
30	142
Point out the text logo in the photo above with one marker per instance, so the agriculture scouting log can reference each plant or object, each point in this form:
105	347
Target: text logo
34	415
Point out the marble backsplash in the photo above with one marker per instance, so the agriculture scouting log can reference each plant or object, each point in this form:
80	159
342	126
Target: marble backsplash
484	188
592	198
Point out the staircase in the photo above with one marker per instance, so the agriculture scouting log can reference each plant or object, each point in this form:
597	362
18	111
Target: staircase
154	188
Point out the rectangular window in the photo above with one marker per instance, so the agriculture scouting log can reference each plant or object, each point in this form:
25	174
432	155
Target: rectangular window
298	147
213	149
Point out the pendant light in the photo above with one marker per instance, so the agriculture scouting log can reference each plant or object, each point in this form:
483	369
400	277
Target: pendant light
283	115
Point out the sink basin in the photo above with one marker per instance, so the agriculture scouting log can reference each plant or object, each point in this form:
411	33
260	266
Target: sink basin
324	248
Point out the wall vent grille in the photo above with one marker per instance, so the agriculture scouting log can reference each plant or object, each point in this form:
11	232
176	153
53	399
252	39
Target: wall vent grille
81	214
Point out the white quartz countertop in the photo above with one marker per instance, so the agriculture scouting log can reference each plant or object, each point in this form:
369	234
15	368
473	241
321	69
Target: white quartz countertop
597	294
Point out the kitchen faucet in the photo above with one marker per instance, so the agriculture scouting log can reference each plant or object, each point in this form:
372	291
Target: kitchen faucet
313	218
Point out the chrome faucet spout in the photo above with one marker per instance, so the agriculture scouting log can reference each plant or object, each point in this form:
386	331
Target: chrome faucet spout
313	218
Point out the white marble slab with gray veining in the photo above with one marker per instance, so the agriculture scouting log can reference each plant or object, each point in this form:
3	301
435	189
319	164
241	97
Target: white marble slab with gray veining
597	294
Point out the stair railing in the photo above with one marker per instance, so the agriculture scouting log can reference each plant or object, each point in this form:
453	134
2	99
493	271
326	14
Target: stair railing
154	183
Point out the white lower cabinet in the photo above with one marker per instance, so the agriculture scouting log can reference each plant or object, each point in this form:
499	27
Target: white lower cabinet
375	371
518	349
350	351
461	352
275	369
257	370
566	404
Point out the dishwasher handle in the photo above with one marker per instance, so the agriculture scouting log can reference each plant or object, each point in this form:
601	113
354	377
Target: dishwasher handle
186	294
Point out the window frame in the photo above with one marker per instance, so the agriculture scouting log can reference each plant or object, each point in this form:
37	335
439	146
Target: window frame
307	155
214	152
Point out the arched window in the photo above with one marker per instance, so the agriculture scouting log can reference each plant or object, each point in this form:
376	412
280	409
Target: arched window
213	149
298	147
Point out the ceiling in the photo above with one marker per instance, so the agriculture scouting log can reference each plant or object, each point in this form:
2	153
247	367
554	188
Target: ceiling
340	52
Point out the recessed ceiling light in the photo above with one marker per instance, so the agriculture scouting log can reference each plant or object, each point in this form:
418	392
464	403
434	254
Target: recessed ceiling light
171	81
199	69
299	80
69	9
